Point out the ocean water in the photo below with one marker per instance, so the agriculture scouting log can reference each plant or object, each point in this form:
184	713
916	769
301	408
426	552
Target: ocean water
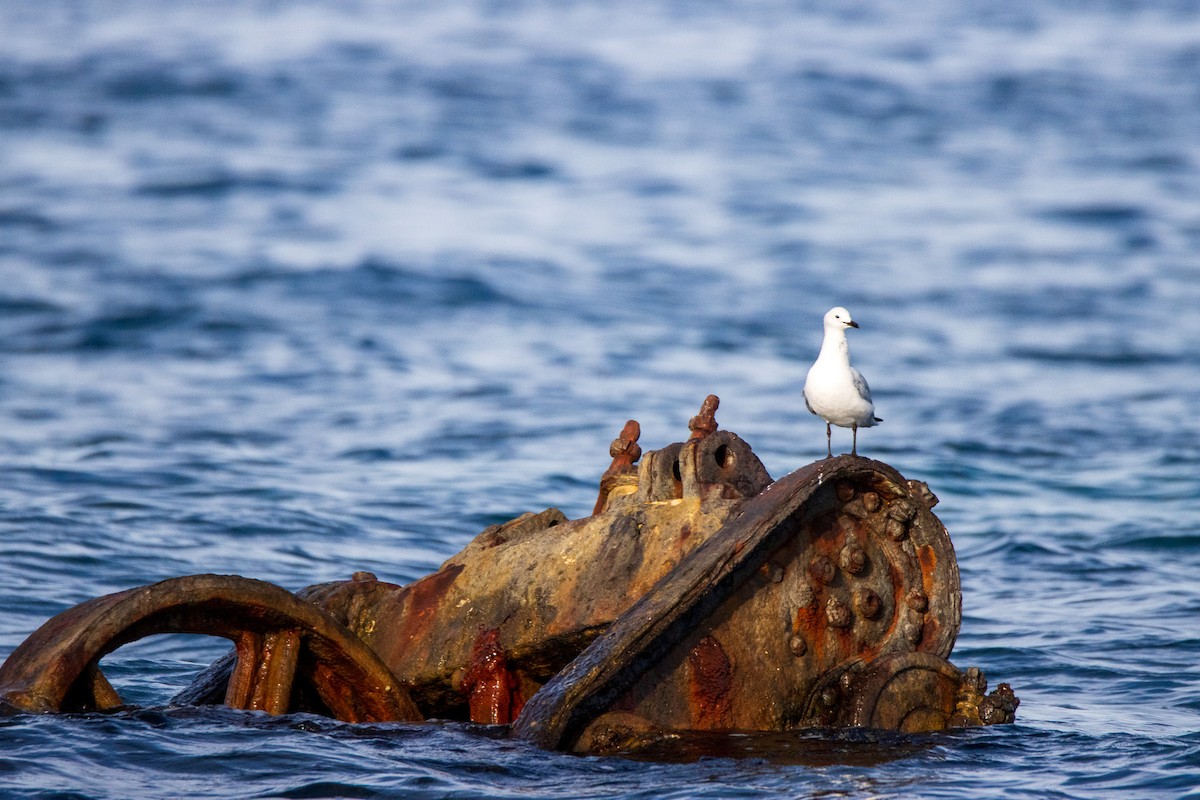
291	290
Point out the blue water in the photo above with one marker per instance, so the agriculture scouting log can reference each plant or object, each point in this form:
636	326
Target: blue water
291	290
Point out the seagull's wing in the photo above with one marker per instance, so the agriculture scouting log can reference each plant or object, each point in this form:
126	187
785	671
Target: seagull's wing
860	383
808	405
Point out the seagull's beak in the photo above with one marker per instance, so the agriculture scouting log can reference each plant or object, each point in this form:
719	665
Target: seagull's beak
852	324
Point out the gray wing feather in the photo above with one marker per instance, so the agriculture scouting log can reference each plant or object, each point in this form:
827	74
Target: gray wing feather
860	383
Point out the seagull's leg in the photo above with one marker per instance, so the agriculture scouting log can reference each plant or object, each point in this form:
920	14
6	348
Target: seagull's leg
829	439
854	449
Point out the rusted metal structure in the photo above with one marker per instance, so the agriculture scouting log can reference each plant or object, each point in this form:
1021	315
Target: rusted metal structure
699	595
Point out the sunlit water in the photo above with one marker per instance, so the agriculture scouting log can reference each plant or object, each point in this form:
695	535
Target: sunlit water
291	290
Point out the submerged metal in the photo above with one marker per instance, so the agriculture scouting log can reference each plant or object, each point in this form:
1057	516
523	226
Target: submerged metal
699	596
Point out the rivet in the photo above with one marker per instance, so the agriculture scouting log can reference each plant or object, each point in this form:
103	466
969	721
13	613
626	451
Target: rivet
837	613
871	501
363	575
805	596
822	569
845	491
853	558
912	632
867	603
797	645
917	601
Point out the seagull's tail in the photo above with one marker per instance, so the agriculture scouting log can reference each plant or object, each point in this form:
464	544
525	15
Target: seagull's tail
878	419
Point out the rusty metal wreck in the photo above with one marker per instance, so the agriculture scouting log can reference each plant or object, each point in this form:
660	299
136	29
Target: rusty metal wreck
700	595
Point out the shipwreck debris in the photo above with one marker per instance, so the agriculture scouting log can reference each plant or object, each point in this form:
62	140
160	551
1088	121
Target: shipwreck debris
699	596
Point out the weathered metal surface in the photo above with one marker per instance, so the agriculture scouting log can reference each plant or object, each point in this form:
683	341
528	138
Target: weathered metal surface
699	596
840	560
280	640
547	586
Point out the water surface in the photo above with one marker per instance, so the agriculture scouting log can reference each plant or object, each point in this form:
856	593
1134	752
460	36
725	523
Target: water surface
295	290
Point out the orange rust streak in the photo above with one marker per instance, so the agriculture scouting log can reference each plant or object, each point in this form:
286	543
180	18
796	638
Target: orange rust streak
709	681
808	622
423	597
929	561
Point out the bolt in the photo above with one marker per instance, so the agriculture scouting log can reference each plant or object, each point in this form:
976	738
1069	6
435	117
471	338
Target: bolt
867	603
363	575
871	501
805	596
913	631
822	569
837	613
896	529
705	422
917	601
853	558
797	645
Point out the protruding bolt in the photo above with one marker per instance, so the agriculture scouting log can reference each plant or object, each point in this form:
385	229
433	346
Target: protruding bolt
838	613
912	632
918	601
853	558
625	451
845	491
705	422
363	575
871	501
867	603
822	569
797	645
805	596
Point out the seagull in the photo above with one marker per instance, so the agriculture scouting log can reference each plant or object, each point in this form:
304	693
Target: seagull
834	390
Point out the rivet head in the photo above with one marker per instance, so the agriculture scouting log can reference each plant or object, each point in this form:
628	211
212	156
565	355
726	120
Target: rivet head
912	632
867	603
822	569
805	596
871	501
797	645
363	575
853	558
837	613
918	601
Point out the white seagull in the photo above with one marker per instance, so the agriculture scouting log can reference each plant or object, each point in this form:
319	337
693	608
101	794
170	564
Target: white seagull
834	390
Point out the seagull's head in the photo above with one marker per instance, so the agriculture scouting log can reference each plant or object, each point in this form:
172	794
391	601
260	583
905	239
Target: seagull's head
839	319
